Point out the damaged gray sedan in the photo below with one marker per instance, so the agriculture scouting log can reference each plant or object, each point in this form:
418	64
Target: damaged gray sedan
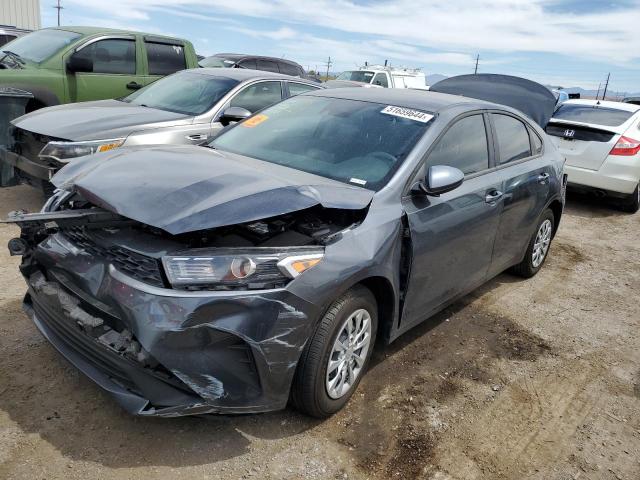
187	280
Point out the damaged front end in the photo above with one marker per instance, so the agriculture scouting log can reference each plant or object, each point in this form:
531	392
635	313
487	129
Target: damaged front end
199	321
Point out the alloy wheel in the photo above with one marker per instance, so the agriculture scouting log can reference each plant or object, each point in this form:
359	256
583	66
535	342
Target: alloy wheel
542	242
348	354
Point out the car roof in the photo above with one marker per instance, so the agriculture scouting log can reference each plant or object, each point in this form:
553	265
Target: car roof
239	56
628	107
408	98
242	74
96	30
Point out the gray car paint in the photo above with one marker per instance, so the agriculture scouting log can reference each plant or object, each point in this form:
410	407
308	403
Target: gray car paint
450	242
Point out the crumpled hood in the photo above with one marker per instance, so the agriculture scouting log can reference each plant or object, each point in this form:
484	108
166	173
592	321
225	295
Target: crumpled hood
97	120
182	189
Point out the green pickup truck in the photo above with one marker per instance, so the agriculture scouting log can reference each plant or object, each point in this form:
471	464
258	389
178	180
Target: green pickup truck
76	64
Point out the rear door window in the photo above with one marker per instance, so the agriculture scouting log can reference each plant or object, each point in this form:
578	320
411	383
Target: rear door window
513	138
111	56
298	88
463	146
258	96
610	117
267	65
381	79
164	58
289	69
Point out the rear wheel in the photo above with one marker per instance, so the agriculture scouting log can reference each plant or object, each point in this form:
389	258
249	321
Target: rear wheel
336	357
538	247
632	203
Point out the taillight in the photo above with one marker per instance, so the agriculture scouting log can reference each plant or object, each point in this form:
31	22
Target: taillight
626	146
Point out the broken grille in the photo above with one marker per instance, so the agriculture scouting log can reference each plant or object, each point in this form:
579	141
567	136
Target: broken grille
136	265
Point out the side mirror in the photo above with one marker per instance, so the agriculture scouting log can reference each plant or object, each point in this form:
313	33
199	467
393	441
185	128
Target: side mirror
79	64
441	179
234	114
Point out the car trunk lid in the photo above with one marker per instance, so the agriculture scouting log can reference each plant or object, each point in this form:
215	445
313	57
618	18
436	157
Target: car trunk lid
583	146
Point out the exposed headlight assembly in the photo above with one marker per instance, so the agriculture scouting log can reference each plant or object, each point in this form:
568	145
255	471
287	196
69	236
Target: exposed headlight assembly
65	151
234	269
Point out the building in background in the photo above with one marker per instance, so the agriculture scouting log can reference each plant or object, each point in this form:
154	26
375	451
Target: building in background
23	14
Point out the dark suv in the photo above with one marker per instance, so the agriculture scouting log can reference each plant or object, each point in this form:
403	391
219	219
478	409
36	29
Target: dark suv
254	62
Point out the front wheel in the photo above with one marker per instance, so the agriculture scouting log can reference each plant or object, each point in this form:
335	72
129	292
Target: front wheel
538	247
336	357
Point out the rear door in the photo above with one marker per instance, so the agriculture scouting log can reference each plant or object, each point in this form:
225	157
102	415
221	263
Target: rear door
115	69
526	176
452	235
585	133
163	57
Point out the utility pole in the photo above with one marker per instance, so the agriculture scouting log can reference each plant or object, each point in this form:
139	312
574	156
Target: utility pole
477	60
598	94
329	62
606	85
58	7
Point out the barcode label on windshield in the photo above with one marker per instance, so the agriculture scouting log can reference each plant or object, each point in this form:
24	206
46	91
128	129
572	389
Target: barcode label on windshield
409	113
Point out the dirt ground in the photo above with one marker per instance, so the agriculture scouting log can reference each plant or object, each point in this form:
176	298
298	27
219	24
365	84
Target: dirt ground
524	379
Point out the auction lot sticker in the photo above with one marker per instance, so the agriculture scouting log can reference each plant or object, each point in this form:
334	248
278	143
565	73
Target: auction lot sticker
409	113
254	121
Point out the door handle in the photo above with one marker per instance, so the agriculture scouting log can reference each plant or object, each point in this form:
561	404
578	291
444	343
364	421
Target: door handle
134	86
543	177
197	136
493	196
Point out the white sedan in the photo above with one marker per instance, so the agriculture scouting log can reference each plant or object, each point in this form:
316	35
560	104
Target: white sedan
601	143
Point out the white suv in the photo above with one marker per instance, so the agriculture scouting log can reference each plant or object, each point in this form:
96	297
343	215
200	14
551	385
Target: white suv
601	143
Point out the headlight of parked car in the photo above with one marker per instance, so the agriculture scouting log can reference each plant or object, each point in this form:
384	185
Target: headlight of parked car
246	269
64	151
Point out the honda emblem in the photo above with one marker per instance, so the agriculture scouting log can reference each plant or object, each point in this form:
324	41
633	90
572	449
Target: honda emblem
569	133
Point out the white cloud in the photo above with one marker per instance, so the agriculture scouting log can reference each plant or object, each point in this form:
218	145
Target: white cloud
453	25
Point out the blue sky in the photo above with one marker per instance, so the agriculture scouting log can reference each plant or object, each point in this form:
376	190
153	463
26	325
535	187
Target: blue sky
559	42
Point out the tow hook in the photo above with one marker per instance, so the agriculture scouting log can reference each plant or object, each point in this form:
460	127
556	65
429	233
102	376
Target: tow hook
17	246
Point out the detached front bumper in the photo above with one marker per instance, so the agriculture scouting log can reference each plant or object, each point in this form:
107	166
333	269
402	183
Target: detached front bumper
167	352
29	168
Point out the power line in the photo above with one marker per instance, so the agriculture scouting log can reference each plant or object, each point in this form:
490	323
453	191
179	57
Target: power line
58	7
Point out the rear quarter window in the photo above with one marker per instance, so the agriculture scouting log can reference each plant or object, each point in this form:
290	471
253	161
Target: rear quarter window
593	114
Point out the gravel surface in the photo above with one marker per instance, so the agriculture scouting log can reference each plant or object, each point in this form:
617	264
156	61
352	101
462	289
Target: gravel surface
535	379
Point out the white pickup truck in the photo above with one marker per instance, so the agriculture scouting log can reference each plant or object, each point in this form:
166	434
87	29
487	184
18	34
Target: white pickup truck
386	77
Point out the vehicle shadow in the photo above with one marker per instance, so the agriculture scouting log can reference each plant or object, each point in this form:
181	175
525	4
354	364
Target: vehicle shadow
416	333
587	205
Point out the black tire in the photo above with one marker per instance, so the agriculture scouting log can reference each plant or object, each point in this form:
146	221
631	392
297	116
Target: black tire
632	203
308	392
526	268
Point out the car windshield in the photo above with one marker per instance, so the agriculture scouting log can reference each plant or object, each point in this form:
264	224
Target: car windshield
189	93
610	117
212	62
356	76
40	45
355	142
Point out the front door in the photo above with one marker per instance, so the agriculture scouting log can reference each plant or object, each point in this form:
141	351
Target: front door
452	235
114	70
